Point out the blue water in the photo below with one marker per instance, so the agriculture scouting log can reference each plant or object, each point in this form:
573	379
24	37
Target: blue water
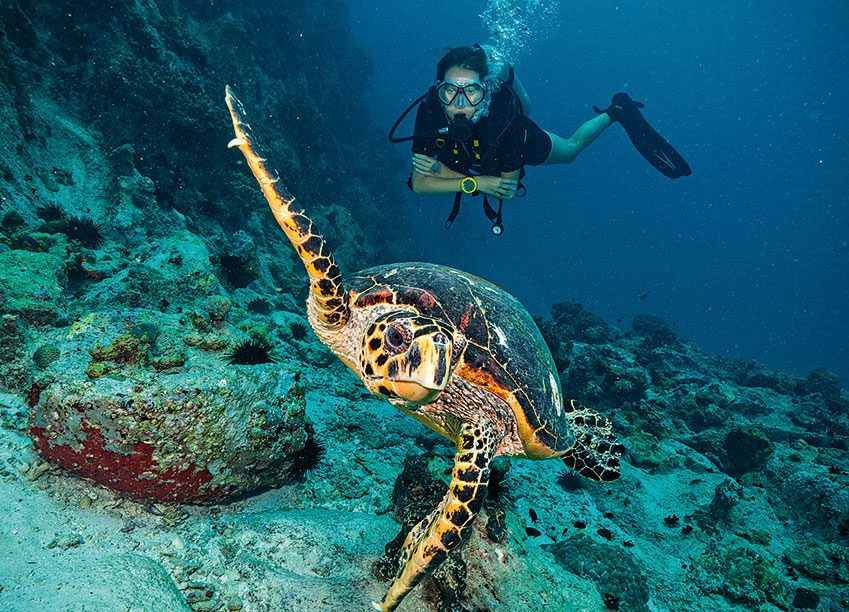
747	257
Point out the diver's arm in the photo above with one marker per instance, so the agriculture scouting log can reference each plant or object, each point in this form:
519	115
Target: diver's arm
565	150
433	184
446	180
432	177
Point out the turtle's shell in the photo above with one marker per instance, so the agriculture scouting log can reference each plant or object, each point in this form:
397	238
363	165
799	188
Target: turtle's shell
505	354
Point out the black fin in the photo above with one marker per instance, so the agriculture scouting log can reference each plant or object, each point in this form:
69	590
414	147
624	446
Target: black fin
651	145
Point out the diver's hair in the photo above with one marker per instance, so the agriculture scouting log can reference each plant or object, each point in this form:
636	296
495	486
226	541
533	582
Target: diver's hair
470	58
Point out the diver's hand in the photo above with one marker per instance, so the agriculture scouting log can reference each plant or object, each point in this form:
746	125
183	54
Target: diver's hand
497	187
428	166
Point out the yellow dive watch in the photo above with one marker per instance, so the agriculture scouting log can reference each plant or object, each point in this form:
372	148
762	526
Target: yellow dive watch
469	185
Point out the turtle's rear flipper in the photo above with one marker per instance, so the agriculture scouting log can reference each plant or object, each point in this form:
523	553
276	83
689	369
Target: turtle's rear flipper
596	451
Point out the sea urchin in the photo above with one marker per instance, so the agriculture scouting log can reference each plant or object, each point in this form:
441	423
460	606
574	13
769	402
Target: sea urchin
84	230
307	458
252	351
50	212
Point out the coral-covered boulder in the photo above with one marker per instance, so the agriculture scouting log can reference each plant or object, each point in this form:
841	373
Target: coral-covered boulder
175	438
15	369
746	449
654	330
31	285
574	323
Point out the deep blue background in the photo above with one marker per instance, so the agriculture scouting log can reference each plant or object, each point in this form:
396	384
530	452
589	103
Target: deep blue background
748	257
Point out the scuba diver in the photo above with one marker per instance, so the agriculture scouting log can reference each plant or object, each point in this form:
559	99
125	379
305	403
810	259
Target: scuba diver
473	134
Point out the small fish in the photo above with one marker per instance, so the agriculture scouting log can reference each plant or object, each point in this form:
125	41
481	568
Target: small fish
672	520
151	507
605	533
34	244
644	295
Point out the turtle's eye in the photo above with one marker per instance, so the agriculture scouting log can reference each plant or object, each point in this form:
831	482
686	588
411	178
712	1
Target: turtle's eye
397	339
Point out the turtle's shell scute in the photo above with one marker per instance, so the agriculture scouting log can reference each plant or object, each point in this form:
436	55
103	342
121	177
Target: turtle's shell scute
505	353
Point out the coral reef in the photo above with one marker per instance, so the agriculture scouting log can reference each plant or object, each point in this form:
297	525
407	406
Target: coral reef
782	439
134	255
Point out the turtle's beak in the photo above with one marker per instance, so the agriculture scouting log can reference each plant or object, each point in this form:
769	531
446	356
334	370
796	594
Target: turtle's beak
414	392
418	375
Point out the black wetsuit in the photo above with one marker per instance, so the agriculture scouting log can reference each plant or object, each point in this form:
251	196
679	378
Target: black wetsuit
502	141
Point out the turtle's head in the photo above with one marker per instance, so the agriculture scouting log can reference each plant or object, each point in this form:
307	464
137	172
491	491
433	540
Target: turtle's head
408	357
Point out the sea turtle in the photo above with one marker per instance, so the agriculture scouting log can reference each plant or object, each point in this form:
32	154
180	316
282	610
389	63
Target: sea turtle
449	349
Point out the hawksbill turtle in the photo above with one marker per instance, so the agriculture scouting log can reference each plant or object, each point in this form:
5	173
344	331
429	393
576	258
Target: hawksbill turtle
449	349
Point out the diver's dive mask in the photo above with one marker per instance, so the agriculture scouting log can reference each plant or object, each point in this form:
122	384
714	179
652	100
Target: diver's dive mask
460	93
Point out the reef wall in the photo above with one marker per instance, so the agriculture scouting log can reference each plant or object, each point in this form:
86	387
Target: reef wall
136	247
80	81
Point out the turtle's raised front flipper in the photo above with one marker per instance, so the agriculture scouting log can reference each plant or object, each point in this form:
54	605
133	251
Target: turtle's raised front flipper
596	451
327	305
429	542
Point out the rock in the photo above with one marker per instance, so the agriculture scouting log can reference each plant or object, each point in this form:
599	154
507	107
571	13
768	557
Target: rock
654	330
821	381
806	599
575	324
31	285
825	562
746	449
811	496
118	582
644	450
770	379
15	372
218	307
174	438
717	515
65	542
741	574
615	572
